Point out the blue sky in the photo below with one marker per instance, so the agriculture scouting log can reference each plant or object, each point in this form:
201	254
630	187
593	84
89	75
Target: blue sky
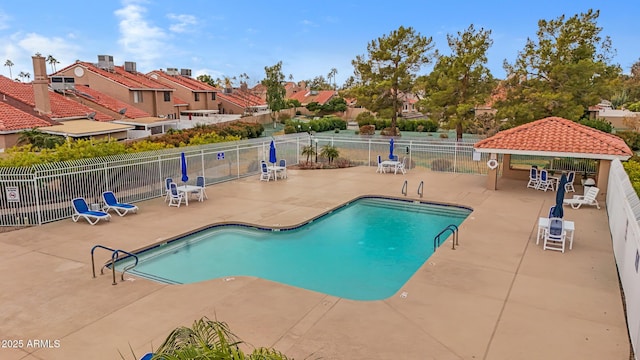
229	38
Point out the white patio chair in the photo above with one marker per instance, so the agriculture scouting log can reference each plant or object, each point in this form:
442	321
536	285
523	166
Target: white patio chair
544	183
201	193
175	197
568	187
533	178
402	167
265	174
381	168
555	236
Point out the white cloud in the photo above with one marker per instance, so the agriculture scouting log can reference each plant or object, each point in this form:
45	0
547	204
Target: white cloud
4	20
20	47
140	39
182	23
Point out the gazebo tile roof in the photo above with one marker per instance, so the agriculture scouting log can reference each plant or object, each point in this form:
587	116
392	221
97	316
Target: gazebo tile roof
557	135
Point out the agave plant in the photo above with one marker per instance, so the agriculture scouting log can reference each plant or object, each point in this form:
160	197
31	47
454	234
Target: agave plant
209	340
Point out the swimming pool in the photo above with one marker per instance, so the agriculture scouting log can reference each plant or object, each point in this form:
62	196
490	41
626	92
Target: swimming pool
364	250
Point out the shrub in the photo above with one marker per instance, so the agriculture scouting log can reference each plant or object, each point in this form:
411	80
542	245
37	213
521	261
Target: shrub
631	138
598	124
284	117
441	165
364	118
444	136
289	129
367	130
336	130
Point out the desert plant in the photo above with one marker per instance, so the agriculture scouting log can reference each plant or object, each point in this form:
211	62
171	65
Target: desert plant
329	152
309	151
208	339
367	130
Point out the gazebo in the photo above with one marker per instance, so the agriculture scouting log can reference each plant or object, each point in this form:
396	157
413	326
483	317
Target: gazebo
553	137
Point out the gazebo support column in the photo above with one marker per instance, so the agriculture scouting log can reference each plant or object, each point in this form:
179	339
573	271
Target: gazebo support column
492	175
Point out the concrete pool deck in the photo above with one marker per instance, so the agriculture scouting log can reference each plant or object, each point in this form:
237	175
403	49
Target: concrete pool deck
497	296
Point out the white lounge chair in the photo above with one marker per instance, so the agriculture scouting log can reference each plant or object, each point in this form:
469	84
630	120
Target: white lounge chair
589	198
81	210
111	203
555	235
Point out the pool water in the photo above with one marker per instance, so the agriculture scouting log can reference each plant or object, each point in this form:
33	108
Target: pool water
366	250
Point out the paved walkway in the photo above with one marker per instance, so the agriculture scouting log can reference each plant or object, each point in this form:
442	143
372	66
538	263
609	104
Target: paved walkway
498	296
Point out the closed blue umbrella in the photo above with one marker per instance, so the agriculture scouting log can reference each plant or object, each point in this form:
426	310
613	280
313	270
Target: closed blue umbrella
557	210
272	153
183	167
391	157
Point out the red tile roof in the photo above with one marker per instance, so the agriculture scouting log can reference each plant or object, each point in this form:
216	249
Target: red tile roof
12	119
61	107
179	102
555	136
242	98
109	102
119	75
185	81
307	97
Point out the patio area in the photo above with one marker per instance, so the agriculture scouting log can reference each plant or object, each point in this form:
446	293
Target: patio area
497	296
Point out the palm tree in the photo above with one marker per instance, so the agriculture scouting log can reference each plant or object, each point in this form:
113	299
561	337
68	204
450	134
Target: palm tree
39	140
332	74
9	63
22	75
52	61
330	152
309	151
208	339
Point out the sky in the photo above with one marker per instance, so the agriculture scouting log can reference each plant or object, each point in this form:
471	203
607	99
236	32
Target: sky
230	38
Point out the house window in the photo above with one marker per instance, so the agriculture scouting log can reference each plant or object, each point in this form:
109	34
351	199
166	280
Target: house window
137	96
167	96
213	96
196	96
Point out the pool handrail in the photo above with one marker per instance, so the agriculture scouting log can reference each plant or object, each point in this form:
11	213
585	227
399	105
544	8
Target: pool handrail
454	231
114	258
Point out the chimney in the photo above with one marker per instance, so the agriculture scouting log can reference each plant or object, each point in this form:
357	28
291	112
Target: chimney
41	85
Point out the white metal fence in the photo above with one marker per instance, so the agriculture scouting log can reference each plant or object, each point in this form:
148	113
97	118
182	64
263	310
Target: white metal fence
43	193
623	207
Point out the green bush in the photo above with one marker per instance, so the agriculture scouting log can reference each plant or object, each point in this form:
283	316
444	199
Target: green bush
632	167
598	124
631	138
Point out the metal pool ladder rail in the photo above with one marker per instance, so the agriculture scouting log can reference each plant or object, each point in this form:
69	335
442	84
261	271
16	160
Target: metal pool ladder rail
454	231
404	188
421	188
114	258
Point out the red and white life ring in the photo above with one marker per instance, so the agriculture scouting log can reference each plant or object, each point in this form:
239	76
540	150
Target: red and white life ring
492	164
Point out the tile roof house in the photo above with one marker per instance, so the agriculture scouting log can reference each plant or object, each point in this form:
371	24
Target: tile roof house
309	96
125	84
241	101
38	101
13	121
197	95
554	137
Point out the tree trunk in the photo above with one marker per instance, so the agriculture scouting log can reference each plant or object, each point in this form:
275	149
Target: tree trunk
459	132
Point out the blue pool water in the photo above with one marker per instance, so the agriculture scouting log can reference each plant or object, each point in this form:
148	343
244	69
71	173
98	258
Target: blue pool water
365	250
